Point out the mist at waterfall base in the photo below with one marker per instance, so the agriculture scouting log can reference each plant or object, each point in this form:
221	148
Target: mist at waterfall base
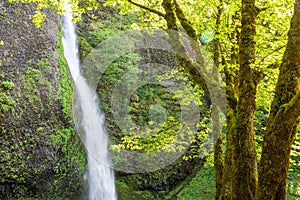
100	175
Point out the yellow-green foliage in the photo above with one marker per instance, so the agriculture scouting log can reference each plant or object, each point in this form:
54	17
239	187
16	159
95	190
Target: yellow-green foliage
79	7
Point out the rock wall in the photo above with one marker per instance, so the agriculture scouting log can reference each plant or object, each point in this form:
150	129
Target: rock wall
41	155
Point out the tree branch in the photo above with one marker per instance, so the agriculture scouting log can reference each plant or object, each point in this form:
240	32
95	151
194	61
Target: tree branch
178	45
147	8
292	109
185	23
259	10
259	74
278	49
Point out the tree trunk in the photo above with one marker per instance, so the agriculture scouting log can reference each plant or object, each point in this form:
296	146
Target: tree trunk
218	140
228	169
218	151
231	103
283	119
245	176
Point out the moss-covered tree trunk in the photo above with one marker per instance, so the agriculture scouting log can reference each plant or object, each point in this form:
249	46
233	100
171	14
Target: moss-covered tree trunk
218	141
228	168
218	152
231	102
283	119
245	172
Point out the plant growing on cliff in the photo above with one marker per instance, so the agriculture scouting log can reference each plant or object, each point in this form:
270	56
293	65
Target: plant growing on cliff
79	7
5	100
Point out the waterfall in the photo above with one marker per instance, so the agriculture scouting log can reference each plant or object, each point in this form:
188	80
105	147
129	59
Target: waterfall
100	175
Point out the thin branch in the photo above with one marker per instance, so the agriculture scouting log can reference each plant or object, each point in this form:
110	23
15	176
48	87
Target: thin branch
273	66
217	42
259	74
278	49
147	8
259	10
202	9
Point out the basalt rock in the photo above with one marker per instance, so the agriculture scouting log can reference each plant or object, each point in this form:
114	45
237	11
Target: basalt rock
41	155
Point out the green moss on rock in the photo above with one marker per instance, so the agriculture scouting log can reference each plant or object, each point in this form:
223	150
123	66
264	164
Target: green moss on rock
6	101
41	154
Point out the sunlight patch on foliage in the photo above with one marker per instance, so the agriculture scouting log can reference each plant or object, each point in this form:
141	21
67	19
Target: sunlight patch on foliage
79	7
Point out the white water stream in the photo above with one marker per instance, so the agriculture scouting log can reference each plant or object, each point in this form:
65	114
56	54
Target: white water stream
100	175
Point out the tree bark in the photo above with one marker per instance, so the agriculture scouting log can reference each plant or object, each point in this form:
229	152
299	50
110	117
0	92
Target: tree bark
218	150
283	119
186	62
245	175
218	140
231	102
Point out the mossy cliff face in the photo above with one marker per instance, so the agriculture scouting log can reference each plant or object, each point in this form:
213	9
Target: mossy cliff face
41	155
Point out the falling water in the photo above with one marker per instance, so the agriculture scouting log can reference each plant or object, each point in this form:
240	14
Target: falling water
100	175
